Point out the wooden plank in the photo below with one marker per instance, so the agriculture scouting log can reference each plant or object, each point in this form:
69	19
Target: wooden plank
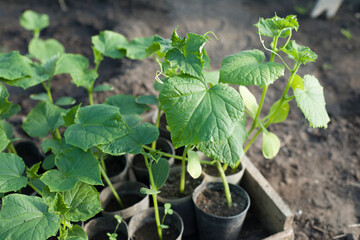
266	203
284	235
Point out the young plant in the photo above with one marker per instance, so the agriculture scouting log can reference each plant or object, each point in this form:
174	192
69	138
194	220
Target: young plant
167	211
113	236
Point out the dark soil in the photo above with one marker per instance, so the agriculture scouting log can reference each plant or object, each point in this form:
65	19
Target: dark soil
149	232
317	172
103	236
213	171
213	201
127	199
170	189
115	165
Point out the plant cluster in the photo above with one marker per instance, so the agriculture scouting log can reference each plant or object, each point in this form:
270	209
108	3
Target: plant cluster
201	109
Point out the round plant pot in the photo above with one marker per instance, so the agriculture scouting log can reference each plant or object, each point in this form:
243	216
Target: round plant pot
97	228
117	168
29	152
211	174
131	197
138	162
212	227
184	204
142	226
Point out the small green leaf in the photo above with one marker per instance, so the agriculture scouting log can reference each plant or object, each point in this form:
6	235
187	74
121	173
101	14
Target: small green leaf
212	77
159	45
127	104
132	120
65	101
270	145
299	53
71	164
4	103
43	97
31	20
12	168
346	33
311	101
147	99
32	172
277	26
50	65
163	226
69	117
48	162
23	216
103	88
206	59
249	101
96	125
76	233
13	66
43	118
194	166
14	109
55	201
136	49
44	50
160	172
54	145
148	191
8	129
297	82
282	113
110	44
247	68
4	139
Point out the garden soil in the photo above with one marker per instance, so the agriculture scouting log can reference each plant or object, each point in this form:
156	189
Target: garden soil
317	171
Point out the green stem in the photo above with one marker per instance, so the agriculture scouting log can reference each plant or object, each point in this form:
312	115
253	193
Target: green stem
225	183
36	33
183	166
154	196
107	180
48	91
35	189
11	146
91	99
157	124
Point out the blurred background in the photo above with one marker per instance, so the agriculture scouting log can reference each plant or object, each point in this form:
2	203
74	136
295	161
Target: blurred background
317	171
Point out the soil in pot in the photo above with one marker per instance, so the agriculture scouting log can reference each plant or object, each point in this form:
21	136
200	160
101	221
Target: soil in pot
115	165
213	201
212	170
103	236
149	232
127	199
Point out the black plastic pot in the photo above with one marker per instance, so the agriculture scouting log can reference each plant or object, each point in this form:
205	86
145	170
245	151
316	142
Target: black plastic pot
148	215
126	190
97	228
141	172
211	227
123	174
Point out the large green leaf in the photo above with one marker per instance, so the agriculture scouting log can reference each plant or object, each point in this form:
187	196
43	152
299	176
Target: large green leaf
197	114
311	101
194	166
136	49
13	66
160	172
247	68
110	44
43	118
299	53
270	145
74	165
11	173
77	66
277	26
82	201
96	125
127	104
25	217
229	150
31	20
44	50
144	133
76	233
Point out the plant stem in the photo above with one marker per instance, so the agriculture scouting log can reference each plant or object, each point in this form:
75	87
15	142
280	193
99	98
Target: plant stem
183	165
107	180
35	189
154	196
225	183
157	124
102	162
48	91
91	99
12	148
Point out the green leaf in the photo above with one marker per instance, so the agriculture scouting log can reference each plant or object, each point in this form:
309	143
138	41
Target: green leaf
69	118
14	109
43	97
194	166
31	20
127	104
32	172
160	171
132	120
270	145
54	145
299	53
147	99
103	88
143	134
12	168
229	150
65	101
55	201
4	103
148	191
76	233
136	49
277	26
212	77
50	65
13	66
206	59
249	101
48	162
4	139
159	45
96	125
8	129
23	216
282	112
43	118
110	44
247	68
311	101
44	50
297	82
77	66
197	114
71	164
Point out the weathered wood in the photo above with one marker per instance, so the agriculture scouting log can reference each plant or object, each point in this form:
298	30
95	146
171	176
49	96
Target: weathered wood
266	203
284	235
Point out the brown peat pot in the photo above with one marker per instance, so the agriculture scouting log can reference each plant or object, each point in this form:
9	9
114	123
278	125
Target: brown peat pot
117	167
97	228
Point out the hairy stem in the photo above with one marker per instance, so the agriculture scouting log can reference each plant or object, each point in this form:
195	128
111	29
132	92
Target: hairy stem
35	189
225	183
107	180
183	171
157	124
